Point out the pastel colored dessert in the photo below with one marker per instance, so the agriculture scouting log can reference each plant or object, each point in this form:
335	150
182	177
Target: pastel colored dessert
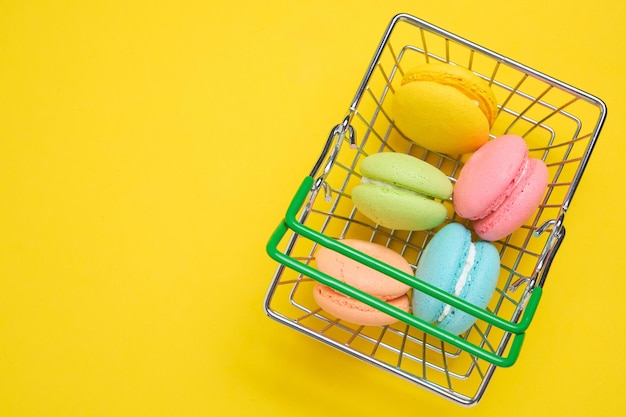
363	278
453	263
500	188
444	108
400	191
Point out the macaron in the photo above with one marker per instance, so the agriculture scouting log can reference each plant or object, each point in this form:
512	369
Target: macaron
444	108
354	311
364	278
402	192
500	187
455	264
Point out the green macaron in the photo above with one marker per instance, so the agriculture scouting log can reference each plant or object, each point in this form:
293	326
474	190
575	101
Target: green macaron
401	192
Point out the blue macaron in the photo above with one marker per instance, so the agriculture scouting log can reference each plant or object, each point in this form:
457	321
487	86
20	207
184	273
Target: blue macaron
455	264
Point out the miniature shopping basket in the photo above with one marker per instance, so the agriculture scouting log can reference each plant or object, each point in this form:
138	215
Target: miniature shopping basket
560	125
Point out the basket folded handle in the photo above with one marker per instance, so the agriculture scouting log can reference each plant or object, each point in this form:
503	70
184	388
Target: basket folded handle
291	222
454	340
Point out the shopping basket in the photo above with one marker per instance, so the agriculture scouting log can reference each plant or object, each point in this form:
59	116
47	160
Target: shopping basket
560	124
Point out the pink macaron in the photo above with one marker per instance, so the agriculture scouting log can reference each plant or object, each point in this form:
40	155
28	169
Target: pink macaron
363	278
500	187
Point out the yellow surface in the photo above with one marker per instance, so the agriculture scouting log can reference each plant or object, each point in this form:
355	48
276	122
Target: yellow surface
148	149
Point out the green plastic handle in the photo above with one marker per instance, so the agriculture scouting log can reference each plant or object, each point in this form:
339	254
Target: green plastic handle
489	356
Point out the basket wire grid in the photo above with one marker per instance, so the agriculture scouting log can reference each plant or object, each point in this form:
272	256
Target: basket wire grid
560	125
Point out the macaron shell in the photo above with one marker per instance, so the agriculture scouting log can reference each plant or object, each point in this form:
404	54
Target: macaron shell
478	290
518	207
397	209
408	172
439	117
489	175
360	276
440	264
461	78
354	311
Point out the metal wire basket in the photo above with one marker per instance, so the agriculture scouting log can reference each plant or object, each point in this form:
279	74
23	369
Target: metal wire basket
560	125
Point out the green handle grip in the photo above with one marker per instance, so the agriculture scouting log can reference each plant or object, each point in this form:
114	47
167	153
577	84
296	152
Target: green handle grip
489	356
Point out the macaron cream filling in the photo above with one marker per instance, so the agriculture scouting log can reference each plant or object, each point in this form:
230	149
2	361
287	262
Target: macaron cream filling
367	180
462	280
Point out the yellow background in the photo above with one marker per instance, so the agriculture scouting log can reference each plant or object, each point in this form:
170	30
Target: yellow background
147	151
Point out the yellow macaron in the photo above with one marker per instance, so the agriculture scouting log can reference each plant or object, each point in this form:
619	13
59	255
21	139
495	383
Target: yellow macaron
444	108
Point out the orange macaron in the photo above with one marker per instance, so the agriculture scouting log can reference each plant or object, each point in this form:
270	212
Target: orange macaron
364	278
